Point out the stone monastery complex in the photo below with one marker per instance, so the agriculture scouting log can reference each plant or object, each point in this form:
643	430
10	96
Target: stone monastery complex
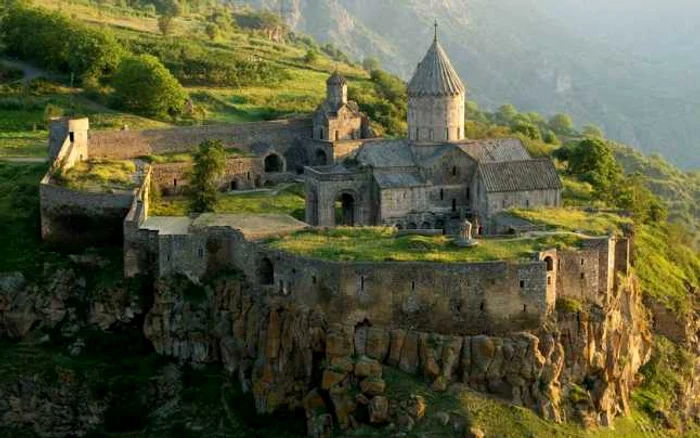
434	182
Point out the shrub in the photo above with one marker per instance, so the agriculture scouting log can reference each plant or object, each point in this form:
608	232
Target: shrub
58	43
143	85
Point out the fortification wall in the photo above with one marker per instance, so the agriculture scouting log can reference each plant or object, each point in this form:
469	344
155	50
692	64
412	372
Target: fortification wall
446	298
82	218
247	136
578	275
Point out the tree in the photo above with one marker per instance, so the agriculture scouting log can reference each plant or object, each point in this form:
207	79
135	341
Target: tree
634	196
165	24
561	124
506	113
143	85
311	56
371	63
209	167
593	131
593	161
212	31
528	129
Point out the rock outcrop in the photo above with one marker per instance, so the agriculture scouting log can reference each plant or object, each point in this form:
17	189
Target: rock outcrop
580	366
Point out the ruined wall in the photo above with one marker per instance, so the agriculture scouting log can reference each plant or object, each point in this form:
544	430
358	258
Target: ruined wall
279	135
240	174
80	217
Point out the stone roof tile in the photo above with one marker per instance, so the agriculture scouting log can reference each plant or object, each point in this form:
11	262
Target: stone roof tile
518	176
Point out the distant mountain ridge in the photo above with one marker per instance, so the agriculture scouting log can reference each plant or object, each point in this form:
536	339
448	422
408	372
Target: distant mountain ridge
630	67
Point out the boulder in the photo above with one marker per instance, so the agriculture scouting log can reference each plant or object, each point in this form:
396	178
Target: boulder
331	378
416	406
409	354
366	367
373	386
397	338
378	341
379	410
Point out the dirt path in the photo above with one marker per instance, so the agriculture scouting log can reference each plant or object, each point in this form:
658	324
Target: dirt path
30	72
24	160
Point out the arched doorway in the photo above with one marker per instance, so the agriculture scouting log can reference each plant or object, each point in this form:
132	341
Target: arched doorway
274	164
266	272
345	210
321	159
425	226
411	226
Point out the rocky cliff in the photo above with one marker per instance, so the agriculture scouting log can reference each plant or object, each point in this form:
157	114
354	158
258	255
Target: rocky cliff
581	366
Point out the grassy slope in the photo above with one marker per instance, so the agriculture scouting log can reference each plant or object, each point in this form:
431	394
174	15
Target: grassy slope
23	126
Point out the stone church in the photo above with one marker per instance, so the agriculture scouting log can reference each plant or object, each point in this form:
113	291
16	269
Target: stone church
434	179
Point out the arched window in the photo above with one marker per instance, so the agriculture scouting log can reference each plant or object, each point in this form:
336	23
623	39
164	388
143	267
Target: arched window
442	194
550	263
454	204
454	170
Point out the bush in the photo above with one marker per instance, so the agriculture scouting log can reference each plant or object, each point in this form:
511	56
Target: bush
143	85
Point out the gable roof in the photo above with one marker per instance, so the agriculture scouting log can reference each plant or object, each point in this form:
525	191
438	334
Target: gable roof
435	75
386	153
393	180
518	176
495	150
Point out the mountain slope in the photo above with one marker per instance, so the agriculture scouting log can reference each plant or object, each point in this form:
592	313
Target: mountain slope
625	67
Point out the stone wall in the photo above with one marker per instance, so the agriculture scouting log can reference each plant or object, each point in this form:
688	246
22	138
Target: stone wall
399	202
80	217
323	189
242	173
68	141
445	298
436	118
278	135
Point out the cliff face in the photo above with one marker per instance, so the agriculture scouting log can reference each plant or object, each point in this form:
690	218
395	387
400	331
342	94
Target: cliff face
581	365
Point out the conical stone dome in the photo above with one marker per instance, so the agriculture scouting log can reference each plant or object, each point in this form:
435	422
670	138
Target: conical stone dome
435	75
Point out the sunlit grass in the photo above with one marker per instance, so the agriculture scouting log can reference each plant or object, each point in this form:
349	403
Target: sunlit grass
288	201
97	175
575	220
383	244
